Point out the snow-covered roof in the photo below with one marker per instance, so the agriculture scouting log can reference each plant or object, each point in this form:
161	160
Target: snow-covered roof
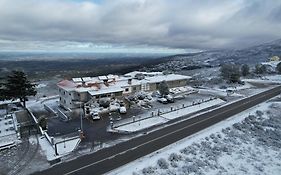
77	80
66	84
86	79
115	83
105	91
110	76
102	77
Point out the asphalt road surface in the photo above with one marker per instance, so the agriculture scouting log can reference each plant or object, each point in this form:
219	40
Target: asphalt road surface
111	158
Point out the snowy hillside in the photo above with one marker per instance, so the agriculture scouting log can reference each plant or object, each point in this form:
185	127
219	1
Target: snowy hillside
207	59
247	143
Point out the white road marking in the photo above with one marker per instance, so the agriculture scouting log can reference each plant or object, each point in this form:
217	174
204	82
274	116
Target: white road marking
145	143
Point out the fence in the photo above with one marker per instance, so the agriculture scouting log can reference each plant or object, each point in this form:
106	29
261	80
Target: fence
49	109
158	113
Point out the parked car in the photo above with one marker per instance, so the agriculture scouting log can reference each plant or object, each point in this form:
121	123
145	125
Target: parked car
162	100
95	116
170	98
122	110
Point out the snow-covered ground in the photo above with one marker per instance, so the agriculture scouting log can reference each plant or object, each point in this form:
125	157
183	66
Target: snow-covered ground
247	143
141	124
41	85
63	148
273	78
269	79
67	146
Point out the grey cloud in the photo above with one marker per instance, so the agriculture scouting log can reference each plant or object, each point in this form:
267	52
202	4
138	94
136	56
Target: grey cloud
202	24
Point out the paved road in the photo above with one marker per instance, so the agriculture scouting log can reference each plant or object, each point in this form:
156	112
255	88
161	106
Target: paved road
110	158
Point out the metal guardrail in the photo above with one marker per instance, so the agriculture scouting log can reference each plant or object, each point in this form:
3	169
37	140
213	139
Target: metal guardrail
62	115
49	109
36	121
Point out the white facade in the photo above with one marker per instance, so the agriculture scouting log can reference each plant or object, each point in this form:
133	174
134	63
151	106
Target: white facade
78	90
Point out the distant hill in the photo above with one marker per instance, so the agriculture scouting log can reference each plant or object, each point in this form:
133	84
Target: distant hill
251	55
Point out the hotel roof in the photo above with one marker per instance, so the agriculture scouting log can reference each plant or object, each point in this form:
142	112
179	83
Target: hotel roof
115	83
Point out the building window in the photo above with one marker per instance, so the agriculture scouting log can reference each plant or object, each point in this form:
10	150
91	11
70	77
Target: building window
127	89
64	93
64	101
78	95
60	98
69	94
134	88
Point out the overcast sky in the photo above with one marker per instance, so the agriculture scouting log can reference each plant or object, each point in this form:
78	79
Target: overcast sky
173	25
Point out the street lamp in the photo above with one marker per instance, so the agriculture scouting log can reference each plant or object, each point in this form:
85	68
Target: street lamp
81	122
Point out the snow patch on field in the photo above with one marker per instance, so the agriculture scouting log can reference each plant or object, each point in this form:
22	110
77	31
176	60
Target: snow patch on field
63	148
41	85
266	79
247	143
142	124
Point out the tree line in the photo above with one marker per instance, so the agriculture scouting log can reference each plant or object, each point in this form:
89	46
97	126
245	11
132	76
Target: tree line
233	72
16	86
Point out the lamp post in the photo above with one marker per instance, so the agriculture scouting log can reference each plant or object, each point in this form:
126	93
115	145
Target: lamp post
81	122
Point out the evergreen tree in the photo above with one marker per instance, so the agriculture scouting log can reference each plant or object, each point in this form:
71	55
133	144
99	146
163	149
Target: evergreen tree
260	69
17	86
163	88
278	68
230	72
2	90
245	70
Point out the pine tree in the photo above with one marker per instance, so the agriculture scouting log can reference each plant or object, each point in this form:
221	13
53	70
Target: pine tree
278	68
230	72
260	69
163	88
17	86
245	70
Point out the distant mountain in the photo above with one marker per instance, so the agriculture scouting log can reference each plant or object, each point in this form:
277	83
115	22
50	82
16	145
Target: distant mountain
251	56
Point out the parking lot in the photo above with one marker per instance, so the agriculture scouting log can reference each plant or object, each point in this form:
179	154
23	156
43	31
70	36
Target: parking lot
96	130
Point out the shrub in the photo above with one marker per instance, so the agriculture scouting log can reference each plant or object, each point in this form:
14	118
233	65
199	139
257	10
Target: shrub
174	164
245	70
174	157
148	170
260	69
259	113
163	164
